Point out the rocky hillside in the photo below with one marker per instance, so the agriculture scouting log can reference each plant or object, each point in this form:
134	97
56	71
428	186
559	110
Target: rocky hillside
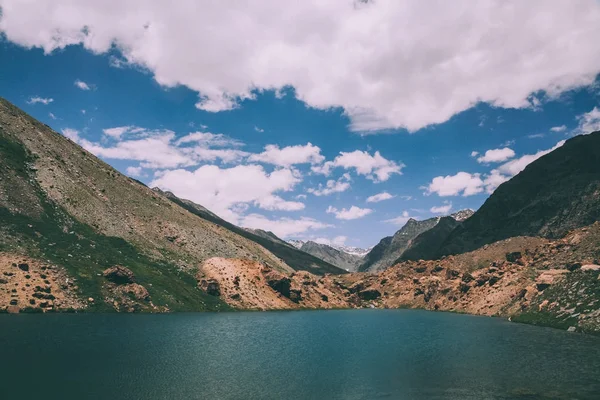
421	246
62	205
293	257
554	194
390	248
341	259
533	280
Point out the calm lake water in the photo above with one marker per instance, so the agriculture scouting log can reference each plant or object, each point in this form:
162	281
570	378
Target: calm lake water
353	354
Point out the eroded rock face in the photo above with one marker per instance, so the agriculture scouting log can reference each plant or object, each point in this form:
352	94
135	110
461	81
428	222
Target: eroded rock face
211	287
119	275
278	282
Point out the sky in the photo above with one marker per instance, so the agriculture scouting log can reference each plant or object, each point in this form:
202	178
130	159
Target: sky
331	121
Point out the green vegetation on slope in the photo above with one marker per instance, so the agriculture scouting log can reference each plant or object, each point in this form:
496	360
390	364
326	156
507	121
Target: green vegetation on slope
42	229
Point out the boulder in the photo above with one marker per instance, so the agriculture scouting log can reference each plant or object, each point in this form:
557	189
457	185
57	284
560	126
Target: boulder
211	287
467	277
23	267
138	291
279	283
514	257
369	294
295	295
119	275
452	274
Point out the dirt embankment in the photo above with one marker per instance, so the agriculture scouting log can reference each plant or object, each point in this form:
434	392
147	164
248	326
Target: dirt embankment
28	284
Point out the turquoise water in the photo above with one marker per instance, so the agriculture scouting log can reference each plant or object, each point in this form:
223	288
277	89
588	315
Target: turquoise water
352	354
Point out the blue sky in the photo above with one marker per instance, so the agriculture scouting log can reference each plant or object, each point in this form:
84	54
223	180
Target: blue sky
233	134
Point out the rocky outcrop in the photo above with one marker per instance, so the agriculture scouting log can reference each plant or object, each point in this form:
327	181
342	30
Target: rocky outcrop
119	275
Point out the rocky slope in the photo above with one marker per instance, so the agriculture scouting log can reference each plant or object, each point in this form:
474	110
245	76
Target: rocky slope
554	194
296	259
62	205
533	280
332	255
390	248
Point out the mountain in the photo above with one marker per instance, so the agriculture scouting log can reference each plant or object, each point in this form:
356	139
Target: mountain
551	196
432	238
332	255
61	204
292	256
462	214
390	248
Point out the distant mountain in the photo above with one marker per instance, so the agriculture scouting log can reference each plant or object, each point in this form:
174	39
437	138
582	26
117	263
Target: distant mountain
332	255
462	214
554	194
390	248
433	238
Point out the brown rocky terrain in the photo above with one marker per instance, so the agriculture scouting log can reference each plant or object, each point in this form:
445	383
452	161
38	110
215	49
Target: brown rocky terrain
549	282
28	284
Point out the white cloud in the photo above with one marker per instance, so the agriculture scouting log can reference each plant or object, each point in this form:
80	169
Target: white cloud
452	185
51	115
561	128
290	155
349	214
588	122
469	184
536	135
441	209
257	129
515	166
276	203
349	54
400	220
220	189
301	197
376	198
118	131
332	186
43	100
474	153
374	167
134	171
496	155
82	85
336	241
209	139
72	134
282	227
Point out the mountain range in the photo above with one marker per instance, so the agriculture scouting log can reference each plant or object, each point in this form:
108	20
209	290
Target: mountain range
77	235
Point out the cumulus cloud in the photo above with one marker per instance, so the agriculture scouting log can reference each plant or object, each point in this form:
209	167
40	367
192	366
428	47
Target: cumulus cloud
588	122
290	155
441	209
336	241
399	220
282	227
496	155
42	100
467	184
345	54
349	214
209	139
51	115
560	128
219	189
134	171
82	85
376	198
118	131
517	165
452	185
72	134
332	186
474	153
375	167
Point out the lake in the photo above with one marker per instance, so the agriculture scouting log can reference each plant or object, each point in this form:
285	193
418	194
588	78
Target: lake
349	354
